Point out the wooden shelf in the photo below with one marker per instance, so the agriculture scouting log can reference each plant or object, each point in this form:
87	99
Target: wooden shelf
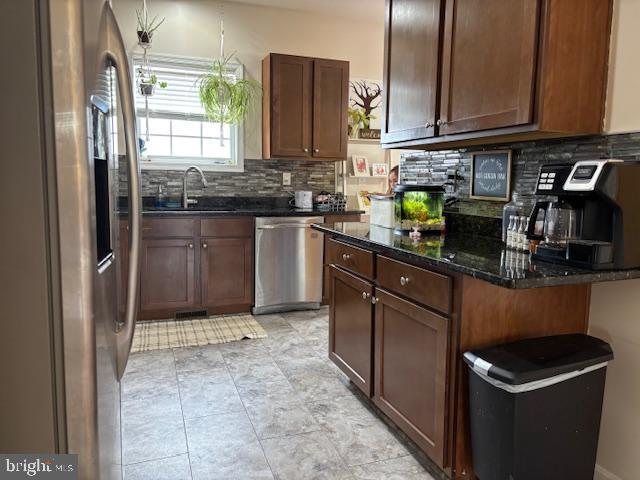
369	177
364	141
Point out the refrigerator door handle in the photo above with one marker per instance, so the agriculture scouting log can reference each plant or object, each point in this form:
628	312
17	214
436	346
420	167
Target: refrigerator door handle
114	53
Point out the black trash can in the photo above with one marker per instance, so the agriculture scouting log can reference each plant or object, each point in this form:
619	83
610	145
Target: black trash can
535	407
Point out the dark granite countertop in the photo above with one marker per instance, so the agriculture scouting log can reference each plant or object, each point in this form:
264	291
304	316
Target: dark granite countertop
480	257
230	206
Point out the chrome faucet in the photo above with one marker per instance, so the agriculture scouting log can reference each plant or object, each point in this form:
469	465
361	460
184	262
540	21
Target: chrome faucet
185	197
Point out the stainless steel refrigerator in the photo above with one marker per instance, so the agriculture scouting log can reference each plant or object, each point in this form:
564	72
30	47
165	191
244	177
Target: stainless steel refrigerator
67	317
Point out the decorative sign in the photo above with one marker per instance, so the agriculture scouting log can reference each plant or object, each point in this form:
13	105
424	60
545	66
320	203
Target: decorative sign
491	175
369	133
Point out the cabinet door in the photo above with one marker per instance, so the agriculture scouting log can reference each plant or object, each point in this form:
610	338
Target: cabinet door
351	327
291	98
412	46
330	104
226	269
410	370
167	276
489	57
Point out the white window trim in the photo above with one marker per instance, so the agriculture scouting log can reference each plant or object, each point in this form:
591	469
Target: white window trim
181	163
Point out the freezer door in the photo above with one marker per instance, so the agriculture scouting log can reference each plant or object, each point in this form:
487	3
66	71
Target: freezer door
288	271
85	78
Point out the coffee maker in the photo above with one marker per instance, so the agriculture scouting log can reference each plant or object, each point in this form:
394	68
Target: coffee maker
593	220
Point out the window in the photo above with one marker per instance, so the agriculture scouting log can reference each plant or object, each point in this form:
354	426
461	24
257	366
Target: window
173	124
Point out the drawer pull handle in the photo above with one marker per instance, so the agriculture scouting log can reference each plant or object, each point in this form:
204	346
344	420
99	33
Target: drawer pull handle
374	300
365	295
346	256
404	281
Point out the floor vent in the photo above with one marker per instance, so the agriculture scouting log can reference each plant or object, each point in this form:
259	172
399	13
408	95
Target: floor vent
191	314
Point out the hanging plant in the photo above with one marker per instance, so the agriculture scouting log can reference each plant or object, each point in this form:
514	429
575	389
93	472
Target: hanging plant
225	98
146	27
147	82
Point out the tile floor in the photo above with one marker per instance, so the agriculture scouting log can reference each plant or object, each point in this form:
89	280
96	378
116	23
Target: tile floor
275	408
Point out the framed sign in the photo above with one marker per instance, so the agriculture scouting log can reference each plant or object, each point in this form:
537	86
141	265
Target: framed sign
491	175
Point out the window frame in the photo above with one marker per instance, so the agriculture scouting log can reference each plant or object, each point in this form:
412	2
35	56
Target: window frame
207	164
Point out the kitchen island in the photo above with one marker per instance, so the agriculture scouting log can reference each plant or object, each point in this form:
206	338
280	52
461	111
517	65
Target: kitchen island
402	313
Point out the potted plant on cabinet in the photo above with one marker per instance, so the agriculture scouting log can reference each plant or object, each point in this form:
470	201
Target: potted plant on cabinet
146	27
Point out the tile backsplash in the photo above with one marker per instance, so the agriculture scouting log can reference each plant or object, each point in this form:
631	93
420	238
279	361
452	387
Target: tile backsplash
417	168
262	178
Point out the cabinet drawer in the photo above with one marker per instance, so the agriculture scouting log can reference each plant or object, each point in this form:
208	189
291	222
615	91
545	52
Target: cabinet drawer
227	227
350	258
169	227
426	287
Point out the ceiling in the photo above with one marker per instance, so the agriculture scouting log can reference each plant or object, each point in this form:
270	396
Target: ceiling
367	10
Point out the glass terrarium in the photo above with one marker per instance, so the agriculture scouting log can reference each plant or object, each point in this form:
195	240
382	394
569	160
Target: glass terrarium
418	208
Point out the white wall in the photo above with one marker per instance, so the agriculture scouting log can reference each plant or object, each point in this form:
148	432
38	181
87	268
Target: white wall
615	306
192	29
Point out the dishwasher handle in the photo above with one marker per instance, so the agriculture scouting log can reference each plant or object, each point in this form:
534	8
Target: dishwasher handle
279	226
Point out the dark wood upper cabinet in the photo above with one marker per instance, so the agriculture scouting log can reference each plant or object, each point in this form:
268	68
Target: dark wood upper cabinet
304	107
492	71
167	276
488	64
226	269
351	327
330	96
412	48
287	108
411	350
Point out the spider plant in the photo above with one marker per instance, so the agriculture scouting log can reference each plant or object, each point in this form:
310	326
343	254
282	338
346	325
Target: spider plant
147	26
225	99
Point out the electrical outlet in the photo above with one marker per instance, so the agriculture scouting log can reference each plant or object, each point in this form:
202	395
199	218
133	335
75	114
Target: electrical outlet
286	178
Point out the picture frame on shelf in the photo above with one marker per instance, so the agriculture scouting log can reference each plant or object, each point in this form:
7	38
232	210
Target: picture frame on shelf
364	201
360	166
379	170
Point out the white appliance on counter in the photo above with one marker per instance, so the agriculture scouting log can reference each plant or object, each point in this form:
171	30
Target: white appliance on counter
382	211
304	199
288	258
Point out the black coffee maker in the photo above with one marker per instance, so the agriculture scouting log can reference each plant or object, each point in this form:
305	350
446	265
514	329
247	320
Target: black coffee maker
593	220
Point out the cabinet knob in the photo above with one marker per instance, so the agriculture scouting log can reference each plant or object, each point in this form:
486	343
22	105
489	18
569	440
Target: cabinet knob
305	150
441	123
316	150
346	256
190	245
374	300
204	245
428	125
404	281
365	295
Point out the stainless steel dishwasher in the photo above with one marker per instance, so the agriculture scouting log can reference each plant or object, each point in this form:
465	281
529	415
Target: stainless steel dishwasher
288	258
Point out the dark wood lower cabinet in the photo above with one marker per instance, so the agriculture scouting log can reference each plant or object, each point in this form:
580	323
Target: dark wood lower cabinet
408	357
193	264
411	370
167	276
351	327
226	271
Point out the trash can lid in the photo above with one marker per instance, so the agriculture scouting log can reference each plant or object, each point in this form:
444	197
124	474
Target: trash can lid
539	358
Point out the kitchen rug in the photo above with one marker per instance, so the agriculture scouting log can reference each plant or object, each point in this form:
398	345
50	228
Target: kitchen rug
158	335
